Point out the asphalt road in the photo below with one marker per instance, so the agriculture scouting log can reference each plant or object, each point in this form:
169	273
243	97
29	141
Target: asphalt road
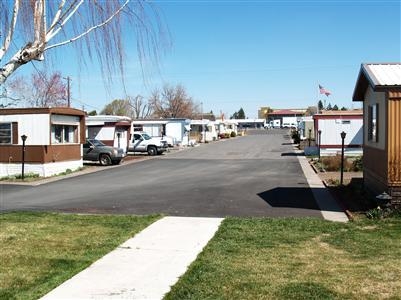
255	175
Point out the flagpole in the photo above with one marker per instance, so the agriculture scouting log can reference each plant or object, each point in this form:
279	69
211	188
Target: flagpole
317	98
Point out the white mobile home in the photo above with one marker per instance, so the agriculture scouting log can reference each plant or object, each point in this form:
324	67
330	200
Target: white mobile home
111	130
204	130
332	123
53	140
177	129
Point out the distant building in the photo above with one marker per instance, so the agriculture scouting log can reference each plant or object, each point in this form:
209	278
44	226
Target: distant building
277	117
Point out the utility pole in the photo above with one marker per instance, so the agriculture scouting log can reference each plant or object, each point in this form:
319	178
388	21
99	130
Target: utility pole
68	91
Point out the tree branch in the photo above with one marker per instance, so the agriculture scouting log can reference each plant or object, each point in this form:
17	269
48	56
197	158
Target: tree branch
53	32
90	29
10	33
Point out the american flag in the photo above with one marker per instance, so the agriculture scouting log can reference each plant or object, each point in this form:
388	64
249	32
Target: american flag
322	90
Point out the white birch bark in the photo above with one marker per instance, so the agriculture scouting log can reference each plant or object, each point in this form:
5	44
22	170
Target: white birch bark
42	35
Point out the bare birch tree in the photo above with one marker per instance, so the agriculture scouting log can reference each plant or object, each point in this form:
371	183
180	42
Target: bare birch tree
34	27
140	108
172	102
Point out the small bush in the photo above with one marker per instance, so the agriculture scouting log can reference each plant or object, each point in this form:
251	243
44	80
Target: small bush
295	136
333	163
233	134
357	164
227	135
27	175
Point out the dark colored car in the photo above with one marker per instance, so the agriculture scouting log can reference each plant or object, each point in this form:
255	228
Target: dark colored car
95	150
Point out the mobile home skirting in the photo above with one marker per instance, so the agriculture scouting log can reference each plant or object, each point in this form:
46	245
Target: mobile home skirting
42	169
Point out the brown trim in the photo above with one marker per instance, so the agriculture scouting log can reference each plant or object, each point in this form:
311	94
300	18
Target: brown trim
43	110
358	116
40	154
394	94
14	128
108	142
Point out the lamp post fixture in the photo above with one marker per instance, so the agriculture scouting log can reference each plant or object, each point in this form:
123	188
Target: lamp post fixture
310	136
320	139
118	138
23	137
343	134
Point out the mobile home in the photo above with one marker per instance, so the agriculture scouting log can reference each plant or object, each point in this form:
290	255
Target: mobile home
53	140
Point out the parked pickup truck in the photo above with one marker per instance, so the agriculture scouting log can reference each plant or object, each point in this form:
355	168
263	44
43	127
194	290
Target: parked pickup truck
95	150
142	142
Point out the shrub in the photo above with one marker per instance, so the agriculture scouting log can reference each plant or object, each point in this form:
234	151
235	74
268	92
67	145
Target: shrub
227	135
233	134
333	163
295	136
357	164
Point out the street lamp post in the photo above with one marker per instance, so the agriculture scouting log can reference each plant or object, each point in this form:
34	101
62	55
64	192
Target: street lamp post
343	134
23	137
310	136
320	139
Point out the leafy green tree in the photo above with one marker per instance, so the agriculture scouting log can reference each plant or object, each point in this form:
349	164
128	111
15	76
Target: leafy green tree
92	113
335	107
329	107
118	107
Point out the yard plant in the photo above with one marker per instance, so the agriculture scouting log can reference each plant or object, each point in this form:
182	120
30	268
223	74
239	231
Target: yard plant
297	259
39	251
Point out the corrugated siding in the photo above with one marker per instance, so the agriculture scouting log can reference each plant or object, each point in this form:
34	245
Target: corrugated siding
394	141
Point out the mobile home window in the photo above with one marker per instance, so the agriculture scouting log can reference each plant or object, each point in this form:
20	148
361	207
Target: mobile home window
5	133
373	111
64	134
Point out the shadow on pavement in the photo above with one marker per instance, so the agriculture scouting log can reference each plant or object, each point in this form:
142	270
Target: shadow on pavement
290	197
292	154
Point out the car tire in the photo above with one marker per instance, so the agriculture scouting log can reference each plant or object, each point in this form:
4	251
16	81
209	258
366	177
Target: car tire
152	150
105	159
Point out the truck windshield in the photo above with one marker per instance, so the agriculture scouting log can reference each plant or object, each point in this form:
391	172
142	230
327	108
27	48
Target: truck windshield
146	137
96	143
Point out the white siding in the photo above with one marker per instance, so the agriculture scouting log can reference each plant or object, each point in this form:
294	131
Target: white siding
175	130
106	134
34	126
331	129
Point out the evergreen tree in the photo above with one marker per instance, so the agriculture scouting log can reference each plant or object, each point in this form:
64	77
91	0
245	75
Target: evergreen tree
320	105
241	114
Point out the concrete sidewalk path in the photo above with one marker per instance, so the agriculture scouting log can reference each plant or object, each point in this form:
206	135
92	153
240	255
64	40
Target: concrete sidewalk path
328	205
144	267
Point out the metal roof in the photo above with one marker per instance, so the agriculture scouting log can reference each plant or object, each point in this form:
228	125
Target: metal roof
384	74
380	76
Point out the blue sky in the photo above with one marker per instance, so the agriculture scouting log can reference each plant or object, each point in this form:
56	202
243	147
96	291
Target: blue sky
233	54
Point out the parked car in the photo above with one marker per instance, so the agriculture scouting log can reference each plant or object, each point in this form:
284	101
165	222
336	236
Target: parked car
95	150
142	142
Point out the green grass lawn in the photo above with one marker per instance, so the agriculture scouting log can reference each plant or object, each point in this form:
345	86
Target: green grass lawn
39	251
297	259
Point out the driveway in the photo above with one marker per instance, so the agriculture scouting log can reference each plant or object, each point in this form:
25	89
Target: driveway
255	175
